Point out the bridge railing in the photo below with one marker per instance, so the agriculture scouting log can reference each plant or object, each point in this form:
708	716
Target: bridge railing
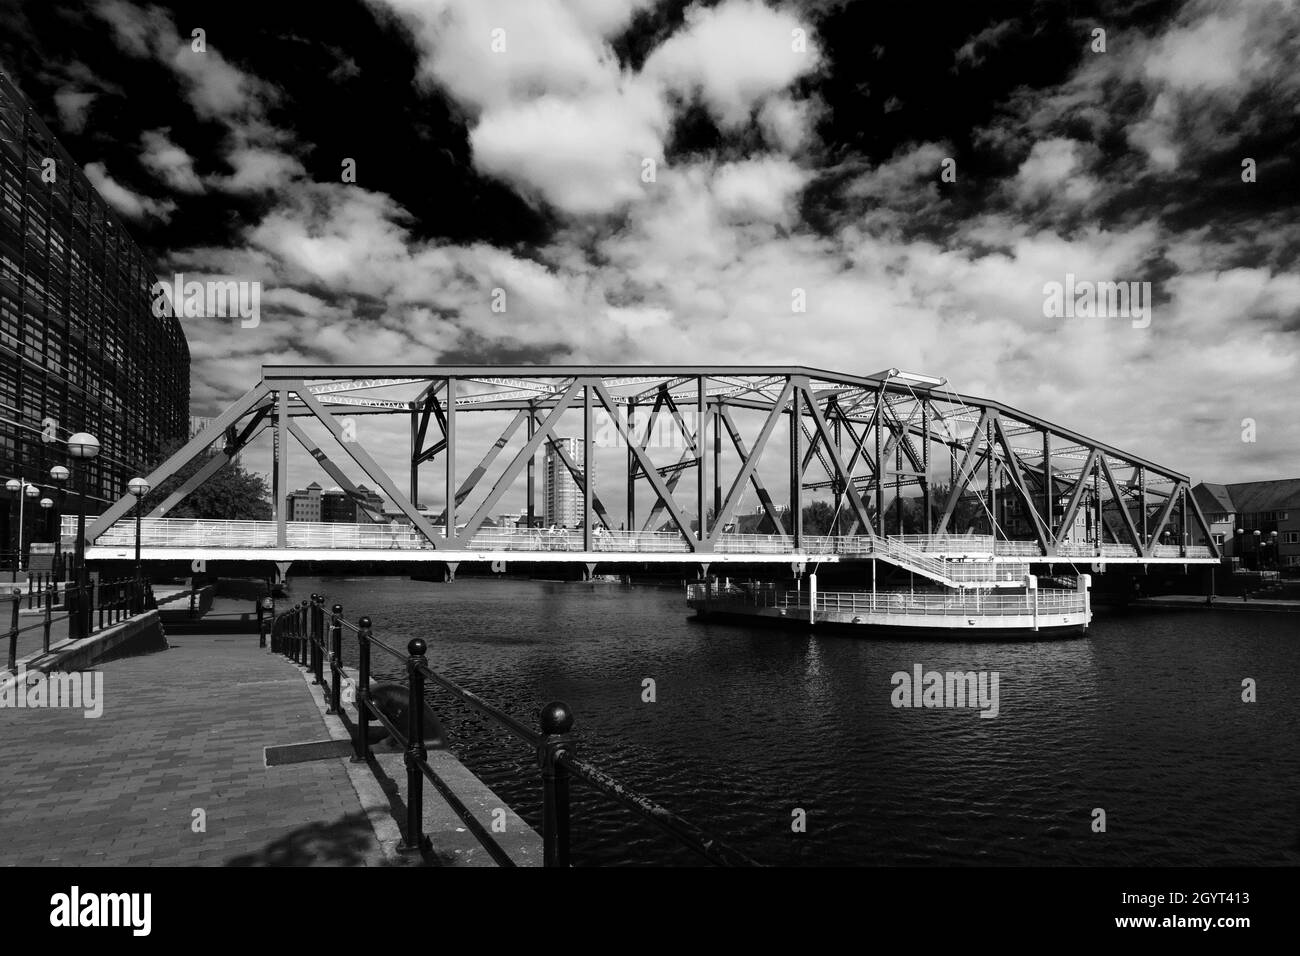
215	533
313	637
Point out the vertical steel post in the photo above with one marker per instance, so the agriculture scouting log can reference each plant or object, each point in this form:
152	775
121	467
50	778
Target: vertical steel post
898	482
702	473
990	491
1142	502
1096	501
416	752
556	720
837	486
1183	534
280	468
717	460
925	466
532	463
879	476
336	659
1049	495
587	468
415	454
451	458
361	743
796	471
631	465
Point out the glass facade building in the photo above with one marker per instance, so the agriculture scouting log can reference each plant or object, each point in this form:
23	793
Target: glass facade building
80	347
563	500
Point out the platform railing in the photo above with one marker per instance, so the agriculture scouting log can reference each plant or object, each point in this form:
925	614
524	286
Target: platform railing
955	603
313	638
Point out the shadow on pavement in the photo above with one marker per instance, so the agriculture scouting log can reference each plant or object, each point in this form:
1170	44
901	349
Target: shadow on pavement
348	841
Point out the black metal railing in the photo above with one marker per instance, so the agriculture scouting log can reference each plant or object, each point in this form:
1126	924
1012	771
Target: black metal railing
313	638
87	608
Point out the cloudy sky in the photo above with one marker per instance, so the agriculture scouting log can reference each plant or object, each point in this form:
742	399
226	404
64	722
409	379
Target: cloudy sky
504	144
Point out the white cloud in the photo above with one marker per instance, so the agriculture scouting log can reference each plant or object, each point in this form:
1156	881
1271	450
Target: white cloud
128	203
759	189
169	162
74	107
1054	169
582	155
258	170
733	57
1215	53
554	115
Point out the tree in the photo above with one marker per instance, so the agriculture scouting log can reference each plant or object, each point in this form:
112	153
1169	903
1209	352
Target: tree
231	494
968	514
818	518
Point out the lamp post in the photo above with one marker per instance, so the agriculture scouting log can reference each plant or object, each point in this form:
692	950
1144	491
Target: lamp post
21	489
82	447
138	487
59	475
46	505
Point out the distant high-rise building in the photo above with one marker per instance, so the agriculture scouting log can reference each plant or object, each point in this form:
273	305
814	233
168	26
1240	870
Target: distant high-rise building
80	347
563	502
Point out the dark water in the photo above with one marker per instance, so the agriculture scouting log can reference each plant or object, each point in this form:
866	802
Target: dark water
1142	718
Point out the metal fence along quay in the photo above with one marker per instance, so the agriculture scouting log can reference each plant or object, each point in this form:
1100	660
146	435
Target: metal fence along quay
87	609
313	637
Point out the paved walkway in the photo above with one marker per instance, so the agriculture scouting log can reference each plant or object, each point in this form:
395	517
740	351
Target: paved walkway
182	731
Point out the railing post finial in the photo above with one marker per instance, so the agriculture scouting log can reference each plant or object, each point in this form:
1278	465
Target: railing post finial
555	720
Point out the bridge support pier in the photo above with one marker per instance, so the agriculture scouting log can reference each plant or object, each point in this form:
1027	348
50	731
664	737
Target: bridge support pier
704	571
449	571
589	571
282	570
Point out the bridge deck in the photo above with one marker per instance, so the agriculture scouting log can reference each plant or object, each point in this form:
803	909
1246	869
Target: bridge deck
957	560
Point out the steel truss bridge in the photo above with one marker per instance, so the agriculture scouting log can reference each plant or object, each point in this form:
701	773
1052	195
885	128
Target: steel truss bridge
853	438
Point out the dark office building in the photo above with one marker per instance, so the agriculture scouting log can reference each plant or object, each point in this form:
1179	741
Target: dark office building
80	348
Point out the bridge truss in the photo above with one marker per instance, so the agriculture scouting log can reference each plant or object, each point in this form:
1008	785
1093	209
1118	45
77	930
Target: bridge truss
867	442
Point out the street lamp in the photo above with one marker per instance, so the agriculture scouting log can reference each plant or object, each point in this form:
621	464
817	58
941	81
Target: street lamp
138	487
82	447
46	505
21	489
59	475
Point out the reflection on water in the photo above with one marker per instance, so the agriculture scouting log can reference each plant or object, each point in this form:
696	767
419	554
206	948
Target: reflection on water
1142	718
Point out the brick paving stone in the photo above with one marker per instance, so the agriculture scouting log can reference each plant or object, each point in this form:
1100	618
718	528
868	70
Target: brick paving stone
182	729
